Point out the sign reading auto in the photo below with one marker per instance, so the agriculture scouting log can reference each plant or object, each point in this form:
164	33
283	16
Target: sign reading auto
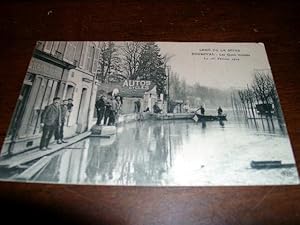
137	84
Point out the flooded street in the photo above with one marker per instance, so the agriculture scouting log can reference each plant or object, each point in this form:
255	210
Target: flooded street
175	153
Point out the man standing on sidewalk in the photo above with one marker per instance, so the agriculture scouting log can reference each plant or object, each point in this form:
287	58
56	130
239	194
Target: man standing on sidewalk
100	107
59	132
113	112
50	120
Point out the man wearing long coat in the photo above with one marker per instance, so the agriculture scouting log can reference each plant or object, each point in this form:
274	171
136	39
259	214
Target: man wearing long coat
50	120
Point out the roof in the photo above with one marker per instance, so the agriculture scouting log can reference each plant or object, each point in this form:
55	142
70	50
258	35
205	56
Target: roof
124	91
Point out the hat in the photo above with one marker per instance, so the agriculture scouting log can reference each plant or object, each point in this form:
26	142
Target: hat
70	99
56	98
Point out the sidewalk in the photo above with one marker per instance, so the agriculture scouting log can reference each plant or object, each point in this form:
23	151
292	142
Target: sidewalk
31	155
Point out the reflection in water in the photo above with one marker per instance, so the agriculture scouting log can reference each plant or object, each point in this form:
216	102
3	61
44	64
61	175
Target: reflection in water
221	122
175	153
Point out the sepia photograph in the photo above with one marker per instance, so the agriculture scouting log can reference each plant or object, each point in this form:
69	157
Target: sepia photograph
148	114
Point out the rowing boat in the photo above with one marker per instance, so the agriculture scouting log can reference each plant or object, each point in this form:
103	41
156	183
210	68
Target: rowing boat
211	117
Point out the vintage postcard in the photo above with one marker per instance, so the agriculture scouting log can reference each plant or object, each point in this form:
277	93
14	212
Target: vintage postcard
148	114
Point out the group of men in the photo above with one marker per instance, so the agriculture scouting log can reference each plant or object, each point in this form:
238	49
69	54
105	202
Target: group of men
53	119
107	109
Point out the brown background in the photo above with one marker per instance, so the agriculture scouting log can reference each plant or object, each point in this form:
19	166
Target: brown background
276	23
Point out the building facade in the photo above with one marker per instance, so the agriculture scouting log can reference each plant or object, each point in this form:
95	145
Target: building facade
57	68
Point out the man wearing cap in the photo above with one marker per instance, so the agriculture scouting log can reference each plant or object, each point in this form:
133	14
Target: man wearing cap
59	132
70	104
50	120
100	107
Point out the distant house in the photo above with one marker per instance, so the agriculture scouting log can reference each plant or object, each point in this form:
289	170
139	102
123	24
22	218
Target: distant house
130	91
264	109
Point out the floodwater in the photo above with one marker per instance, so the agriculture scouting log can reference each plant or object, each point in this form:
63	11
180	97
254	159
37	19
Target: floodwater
176	153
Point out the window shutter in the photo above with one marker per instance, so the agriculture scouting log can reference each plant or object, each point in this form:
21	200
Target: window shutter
96	60
61	47
89	57
70	51
55	47
82	55
48	46
78	52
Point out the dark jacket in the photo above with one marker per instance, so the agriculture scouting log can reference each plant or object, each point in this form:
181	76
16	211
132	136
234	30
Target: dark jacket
100	104
64	110
202	110
70	106
156	109
50	116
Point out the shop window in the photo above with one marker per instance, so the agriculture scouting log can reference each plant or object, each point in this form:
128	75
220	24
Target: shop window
42	93
19	111
37	107
23	131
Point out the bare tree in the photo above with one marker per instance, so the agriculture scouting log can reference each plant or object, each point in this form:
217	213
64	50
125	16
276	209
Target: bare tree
242	96
260	87
274	97
250	96
109	61
264	89
131	58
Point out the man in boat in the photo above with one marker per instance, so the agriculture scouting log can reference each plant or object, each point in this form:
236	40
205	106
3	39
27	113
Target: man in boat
156	108
220	111
202	110
186	107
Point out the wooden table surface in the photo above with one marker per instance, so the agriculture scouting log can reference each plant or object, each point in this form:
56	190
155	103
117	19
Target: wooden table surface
276	23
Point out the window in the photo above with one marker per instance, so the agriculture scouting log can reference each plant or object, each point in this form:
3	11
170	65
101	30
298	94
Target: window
70	92
70	51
